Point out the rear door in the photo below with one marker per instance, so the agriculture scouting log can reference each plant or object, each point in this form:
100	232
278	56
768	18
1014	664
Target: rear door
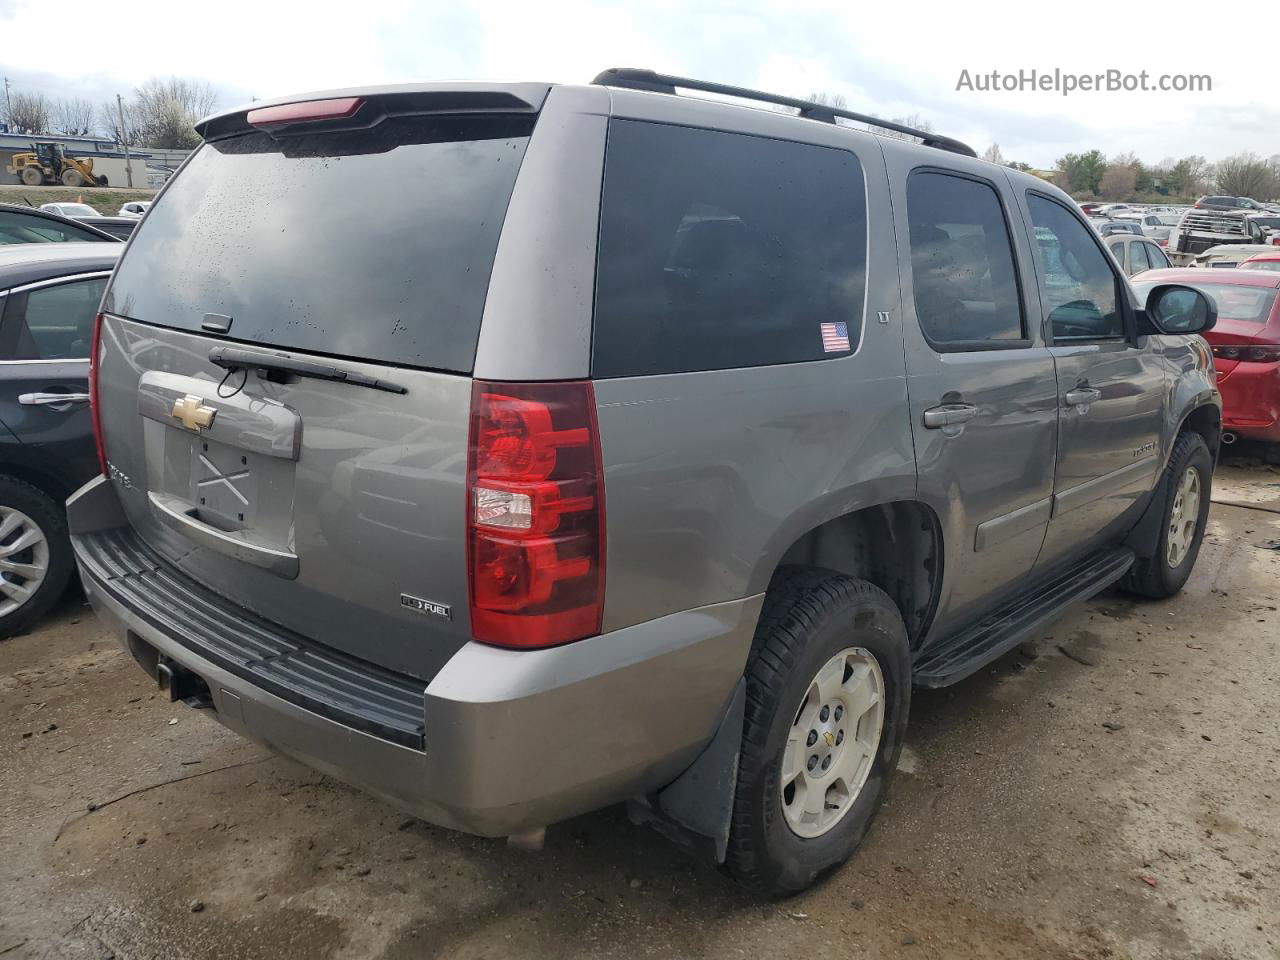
982	395
1111	383
45	332
333	507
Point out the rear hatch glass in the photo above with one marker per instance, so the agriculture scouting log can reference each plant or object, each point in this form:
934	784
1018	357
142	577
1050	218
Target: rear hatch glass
373	244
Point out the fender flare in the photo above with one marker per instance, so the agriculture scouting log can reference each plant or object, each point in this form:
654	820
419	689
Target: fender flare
1144	538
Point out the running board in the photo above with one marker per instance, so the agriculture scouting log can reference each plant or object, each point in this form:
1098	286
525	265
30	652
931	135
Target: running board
997	634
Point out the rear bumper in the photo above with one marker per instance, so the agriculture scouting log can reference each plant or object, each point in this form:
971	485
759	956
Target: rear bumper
511	740
1251	401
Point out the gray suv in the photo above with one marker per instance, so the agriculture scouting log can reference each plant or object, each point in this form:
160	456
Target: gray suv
514	450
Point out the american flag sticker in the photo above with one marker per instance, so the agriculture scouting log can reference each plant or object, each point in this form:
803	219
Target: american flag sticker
835	337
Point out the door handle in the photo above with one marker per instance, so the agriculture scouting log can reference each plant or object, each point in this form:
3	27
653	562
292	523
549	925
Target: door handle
949	415
55	401
1082	396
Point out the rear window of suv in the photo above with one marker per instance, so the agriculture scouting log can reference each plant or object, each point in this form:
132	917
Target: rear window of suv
375	244
722	250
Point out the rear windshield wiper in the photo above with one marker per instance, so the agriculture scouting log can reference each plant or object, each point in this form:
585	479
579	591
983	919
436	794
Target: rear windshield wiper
230	358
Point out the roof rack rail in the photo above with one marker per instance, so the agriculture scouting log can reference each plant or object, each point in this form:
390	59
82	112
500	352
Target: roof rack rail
633	78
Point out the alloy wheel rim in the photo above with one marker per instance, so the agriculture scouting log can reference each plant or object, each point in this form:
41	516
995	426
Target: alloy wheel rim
24	559
1184	516
832	743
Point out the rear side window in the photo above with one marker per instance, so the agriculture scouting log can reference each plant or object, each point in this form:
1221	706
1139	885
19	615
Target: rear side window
20	228
1138	258
962	273
375	244
721	250
51	323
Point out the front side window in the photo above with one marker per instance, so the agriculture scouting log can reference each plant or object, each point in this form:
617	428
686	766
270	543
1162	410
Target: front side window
721	250
1079	290
1157	257
963	277
51	323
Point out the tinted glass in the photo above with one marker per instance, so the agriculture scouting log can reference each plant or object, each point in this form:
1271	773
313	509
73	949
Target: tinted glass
376	244
21	228
962	269
720	250
1079	289
51	323
1157	257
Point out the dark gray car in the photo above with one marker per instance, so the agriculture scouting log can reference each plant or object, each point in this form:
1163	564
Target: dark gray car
513	450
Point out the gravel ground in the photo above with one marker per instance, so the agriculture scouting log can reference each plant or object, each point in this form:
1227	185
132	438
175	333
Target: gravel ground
1109	791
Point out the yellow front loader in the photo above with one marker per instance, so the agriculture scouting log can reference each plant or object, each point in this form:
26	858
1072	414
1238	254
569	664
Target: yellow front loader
49	163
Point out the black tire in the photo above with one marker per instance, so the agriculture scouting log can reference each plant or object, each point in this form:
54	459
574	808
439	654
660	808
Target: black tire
1153	577
810	616
72	178
50	517
32	176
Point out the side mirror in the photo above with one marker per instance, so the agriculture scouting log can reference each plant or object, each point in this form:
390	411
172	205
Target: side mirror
1178	310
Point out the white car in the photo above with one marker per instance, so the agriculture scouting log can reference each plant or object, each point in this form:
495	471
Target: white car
1157	226
70	209
134	209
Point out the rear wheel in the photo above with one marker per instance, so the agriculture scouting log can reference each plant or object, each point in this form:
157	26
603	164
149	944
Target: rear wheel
1187	483
35	554
32	176
72	178
828	692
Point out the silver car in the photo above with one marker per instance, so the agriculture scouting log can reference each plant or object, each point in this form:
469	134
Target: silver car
512	450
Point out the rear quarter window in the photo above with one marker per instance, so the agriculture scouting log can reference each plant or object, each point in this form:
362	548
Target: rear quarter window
722	250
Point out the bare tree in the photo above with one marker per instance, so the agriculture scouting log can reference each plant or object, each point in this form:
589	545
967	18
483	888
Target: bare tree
74	116
161	113
992	154
1247	175
1118	182
29	113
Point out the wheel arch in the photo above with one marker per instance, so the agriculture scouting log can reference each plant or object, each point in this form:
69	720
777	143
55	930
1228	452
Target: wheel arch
896	545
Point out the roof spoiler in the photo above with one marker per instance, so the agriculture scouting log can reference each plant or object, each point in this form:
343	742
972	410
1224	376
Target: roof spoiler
381	102
632	78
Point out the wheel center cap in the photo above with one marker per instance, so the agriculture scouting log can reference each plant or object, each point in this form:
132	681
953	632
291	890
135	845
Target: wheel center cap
830	738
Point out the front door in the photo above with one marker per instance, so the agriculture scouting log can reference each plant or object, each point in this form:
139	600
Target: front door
982	392
1111	386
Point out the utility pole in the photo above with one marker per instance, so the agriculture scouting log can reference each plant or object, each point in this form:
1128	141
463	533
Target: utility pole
124	138
8	116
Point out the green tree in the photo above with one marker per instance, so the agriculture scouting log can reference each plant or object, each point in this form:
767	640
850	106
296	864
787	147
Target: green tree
1083	171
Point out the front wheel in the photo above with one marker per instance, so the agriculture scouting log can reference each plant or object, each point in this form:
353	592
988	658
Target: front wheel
1188	484
72	178
828	692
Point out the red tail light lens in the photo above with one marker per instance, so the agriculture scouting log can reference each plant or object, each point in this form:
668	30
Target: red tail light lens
95	412
308	110
1248	353
535	514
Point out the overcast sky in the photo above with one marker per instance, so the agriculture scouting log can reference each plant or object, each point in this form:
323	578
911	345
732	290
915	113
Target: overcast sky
889	57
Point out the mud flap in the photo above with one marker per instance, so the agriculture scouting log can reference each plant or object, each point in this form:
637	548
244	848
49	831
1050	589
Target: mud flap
696	809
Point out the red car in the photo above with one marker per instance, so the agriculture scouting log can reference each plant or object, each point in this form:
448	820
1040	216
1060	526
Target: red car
1264	261
1245	342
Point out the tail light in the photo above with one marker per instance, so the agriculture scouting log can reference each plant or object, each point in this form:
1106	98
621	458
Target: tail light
306	111
95	411
535	514
1248	353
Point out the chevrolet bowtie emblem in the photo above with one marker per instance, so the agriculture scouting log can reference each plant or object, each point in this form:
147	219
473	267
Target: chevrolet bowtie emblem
830	738
192	413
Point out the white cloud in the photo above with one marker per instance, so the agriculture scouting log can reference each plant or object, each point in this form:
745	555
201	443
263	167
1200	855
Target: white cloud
889	59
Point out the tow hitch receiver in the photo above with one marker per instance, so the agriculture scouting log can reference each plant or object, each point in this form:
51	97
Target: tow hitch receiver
181	684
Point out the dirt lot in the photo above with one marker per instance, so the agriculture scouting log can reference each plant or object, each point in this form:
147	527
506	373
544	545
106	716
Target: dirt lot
106	200
1110	791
